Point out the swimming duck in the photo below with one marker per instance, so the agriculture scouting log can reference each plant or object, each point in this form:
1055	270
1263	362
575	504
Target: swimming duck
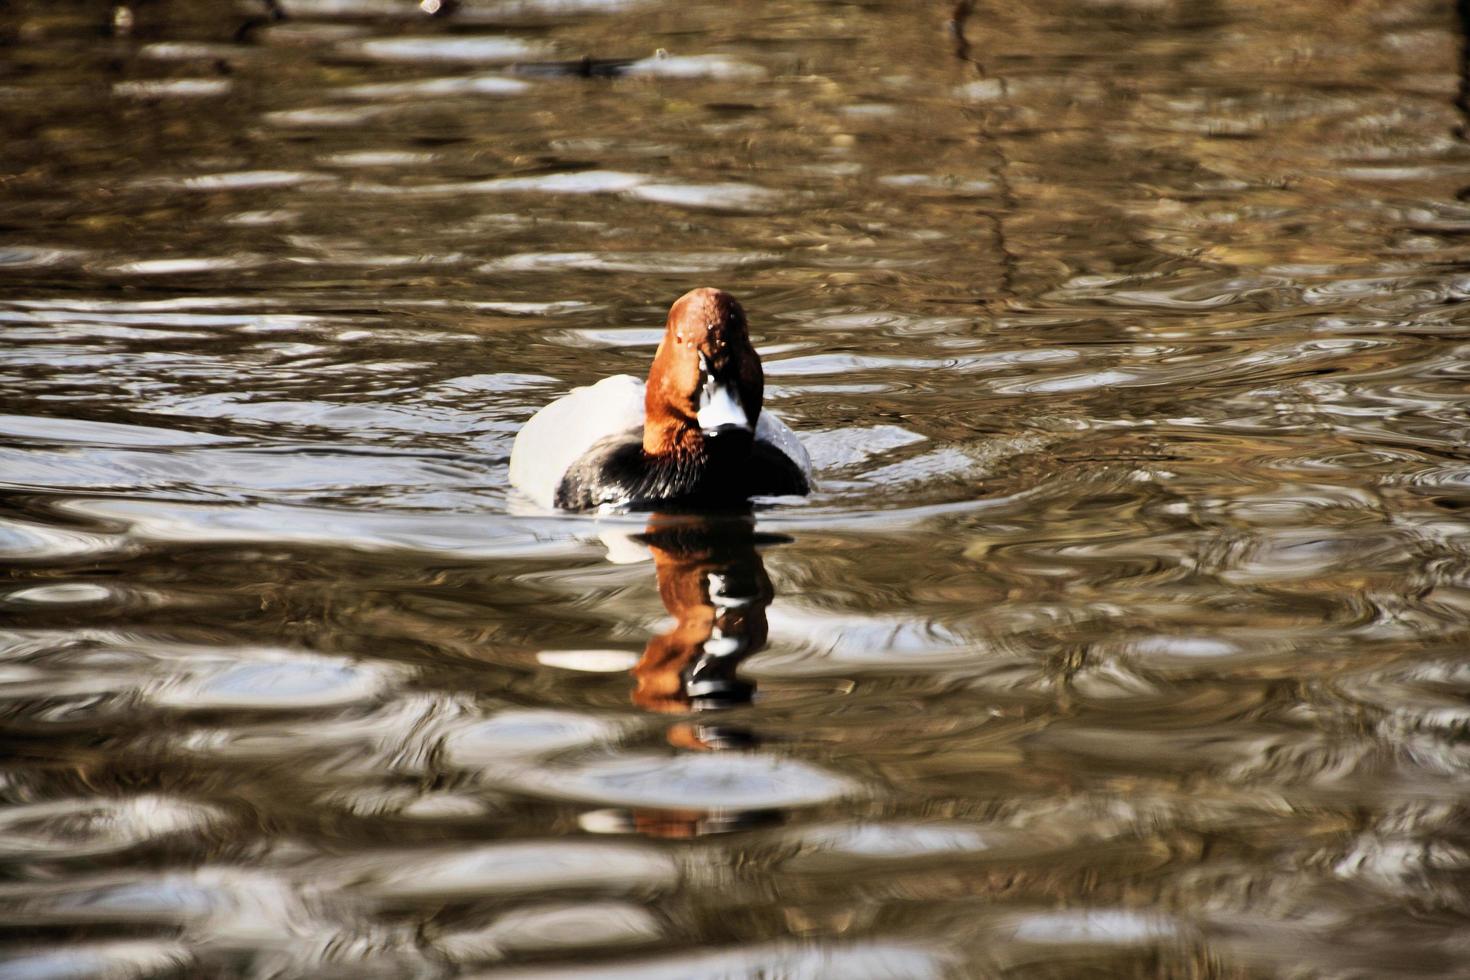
694	435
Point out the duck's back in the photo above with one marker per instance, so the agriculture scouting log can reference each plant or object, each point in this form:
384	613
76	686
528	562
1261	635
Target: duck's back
563	432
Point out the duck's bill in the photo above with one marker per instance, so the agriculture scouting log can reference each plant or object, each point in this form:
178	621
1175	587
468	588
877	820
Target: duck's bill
720	409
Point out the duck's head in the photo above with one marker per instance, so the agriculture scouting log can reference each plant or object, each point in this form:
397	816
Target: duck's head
704	389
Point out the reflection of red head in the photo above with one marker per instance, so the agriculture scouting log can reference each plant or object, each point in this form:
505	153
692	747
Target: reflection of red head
716	588
669	824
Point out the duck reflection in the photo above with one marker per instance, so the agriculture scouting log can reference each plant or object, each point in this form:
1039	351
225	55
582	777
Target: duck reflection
713	583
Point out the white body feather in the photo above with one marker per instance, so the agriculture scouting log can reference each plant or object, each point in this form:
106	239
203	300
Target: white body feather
562	432
559	434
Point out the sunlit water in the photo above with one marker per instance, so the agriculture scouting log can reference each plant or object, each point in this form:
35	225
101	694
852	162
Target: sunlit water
1125	634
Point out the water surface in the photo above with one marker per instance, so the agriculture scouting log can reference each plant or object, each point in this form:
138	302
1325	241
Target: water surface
1124	635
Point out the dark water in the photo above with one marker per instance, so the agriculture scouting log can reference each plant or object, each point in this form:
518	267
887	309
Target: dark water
1124	637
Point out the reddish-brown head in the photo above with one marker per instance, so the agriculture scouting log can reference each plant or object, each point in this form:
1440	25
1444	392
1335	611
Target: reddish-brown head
706	381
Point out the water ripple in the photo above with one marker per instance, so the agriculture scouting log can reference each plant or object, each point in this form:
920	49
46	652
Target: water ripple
516	868
553	927
714	782
858	961
481	49
87	827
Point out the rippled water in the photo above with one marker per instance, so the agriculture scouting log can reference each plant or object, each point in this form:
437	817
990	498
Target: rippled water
1125	634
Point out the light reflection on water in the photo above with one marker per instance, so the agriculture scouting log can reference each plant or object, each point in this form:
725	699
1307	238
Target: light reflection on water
1122	635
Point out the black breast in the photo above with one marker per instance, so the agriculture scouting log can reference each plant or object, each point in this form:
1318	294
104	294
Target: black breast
617	471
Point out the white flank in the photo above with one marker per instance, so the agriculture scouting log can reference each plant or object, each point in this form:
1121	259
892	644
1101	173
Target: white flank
562	432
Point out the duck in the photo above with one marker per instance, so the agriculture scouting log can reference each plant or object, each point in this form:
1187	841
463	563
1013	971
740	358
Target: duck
693	435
